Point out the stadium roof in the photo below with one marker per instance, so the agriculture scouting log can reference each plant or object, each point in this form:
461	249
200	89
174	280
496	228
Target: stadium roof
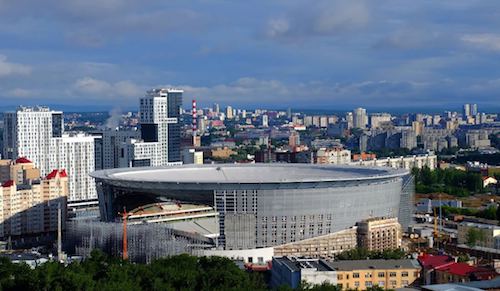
249	173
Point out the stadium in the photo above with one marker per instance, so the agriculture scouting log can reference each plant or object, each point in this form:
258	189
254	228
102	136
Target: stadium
263	205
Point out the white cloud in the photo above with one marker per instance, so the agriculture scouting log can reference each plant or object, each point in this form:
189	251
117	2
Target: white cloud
321	18
20	92
484	41
8	68
92	87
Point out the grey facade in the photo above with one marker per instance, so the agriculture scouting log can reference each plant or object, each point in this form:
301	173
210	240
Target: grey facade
299	202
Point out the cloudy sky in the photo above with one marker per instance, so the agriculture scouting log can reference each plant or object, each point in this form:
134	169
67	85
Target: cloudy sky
304	54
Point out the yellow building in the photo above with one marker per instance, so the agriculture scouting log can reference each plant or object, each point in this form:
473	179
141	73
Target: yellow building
29	203
348	275
378	234
388	274
223	153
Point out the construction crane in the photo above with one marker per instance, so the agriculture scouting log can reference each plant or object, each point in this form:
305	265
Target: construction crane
124	239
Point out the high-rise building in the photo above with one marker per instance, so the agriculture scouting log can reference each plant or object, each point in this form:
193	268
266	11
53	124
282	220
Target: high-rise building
111	142
37	134
28	132
216	108
76	154
265	120
229	112
160	131
466	111
294	140
29	202
408	139
360	119
377	119
473	109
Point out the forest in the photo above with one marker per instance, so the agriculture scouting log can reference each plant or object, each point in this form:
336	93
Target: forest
451	181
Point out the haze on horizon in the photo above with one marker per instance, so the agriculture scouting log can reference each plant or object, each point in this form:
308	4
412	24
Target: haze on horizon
326	54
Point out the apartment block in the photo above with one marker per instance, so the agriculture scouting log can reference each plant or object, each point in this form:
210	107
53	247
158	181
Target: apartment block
29	203
377	234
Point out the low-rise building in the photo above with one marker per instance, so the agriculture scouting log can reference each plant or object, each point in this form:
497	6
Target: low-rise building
336	156
358	274
407	162
325	246
486	234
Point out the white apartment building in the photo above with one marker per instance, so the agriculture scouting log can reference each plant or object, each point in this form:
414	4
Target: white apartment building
75	153
407	162
37	134
28	132
335	156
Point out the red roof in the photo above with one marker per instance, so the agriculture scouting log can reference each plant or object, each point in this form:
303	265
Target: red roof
7	184
461	269
52	174
482	273
62	173
23	160
434	261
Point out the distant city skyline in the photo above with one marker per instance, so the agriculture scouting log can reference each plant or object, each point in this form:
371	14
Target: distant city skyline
326	54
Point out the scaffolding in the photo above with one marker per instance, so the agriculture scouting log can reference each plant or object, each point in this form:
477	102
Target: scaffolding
146	242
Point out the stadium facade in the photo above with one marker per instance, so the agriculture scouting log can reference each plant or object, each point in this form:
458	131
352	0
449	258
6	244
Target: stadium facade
265	205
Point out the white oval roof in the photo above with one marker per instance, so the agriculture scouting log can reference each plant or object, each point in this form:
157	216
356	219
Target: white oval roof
248	173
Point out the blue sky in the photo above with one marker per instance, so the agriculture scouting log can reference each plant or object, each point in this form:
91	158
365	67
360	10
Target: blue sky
303	54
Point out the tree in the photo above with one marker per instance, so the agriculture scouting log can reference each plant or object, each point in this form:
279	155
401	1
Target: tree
472	237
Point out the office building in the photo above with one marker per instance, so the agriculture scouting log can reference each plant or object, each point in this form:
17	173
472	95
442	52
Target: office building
376	234
160	131
29	202
359	117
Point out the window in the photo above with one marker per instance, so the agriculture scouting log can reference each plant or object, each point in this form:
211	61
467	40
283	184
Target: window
392	274
368	284
340	277
355	275
356	284
381	283
404	274
368	275
404	283
392	283
381	274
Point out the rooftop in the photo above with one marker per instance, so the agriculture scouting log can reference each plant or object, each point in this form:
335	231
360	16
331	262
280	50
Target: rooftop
373	264
249	173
